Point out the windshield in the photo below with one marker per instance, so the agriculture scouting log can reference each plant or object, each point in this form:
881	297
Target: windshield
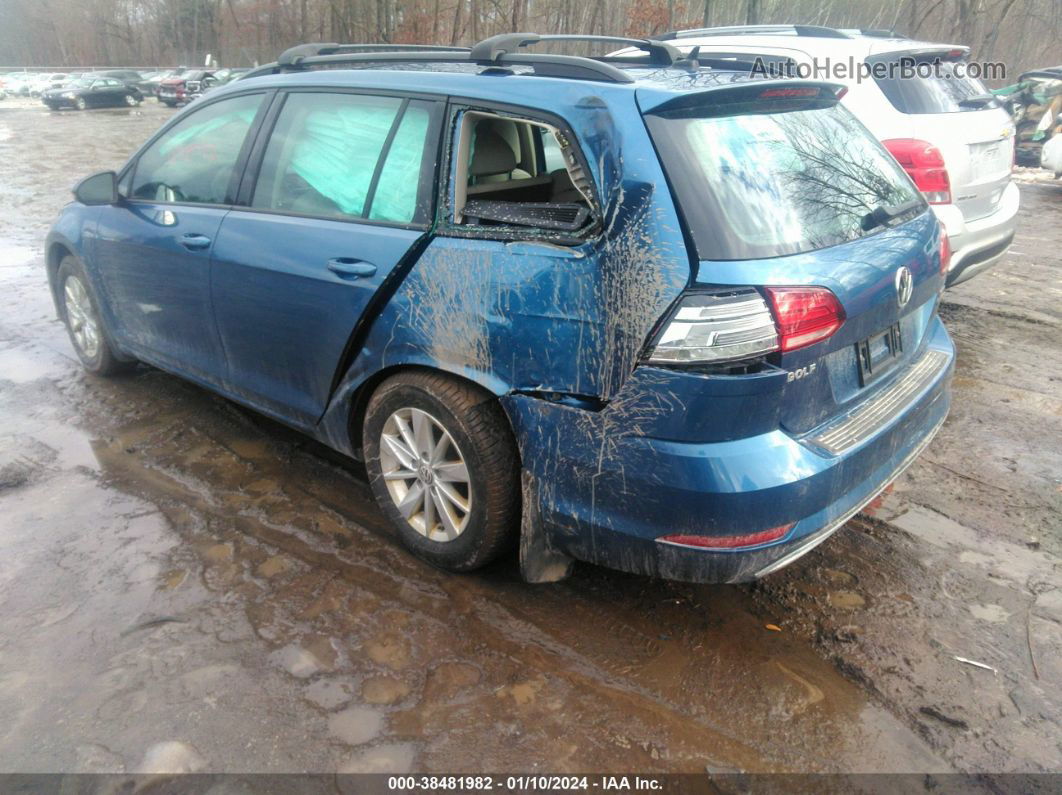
944	87
772	184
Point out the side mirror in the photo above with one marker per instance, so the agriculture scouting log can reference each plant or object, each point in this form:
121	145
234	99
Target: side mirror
98	189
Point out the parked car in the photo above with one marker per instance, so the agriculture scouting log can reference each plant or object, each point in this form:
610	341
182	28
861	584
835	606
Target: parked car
1051	155
216	80
92	91
945	129
45	82
155	80
130	77
1034	103
18	84
177	90
673	321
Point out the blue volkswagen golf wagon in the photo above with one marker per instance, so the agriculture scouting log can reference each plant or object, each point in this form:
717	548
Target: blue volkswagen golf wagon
642	311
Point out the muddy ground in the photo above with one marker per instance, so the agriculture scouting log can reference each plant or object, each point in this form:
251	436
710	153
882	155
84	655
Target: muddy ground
187	586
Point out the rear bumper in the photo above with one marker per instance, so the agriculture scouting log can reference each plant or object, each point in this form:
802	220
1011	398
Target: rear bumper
607	494
978	245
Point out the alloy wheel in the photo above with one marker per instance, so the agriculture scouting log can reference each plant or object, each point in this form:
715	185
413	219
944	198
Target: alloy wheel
81	317
425	474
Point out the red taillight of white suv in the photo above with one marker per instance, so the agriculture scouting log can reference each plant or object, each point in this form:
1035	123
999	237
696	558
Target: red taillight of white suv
738	324
924	164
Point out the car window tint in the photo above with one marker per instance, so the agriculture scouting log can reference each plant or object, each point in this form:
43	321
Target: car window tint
324	151
195	159
778	183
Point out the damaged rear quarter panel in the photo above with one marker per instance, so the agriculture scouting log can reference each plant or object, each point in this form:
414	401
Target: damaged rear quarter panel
534	316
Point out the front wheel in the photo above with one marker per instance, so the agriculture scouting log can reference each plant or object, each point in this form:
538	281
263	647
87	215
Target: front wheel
443	466
80	103
82	318
131	101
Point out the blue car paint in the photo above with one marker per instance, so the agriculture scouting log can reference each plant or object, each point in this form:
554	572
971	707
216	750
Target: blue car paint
286	316
162	286
615	453
608	487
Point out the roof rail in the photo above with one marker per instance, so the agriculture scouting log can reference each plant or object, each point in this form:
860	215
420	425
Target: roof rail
814	31
660	53
293	55
500	51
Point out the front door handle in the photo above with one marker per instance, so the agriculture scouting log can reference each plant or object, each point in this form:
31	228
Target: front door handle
195	242
350	267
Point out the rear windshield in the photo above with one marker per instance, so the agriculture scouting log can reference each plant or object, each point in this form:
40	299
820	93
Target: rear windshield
772	184
941	87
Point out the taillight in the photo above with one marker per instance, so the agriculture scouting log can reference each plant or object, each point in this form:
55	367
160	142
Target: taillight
721	326
805	315
945	251
736	323
924	163
727	543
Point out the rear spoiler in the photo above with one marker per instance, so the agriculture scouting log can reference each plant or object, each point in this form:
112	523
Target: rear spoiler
754	96
945	52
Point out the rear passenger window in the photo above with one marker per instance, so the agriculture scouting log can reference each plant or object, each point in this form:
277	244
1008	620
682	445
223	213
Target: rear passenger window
518	173
345	156
194	160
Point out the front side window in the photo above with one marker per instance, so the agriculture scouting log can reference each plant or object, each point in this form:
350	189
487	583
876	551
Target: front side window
345	156
194	161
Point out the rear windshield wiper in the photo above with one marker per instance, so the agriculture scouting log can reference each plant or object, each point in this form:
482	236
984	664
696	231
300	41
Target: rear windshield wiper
977	101
880	216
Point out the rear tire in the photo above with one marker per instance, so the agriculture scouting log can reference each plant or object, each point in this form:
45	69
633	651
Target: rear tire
452	489
80	314
80	103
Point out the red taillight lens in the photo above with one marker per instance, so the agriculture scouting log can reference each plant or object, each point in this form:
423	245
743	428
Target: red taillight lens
924	163
945	252
805	315
727	543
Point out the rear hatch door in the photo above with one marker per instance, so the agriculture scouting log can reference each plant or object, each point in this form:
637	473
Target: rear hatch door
778	190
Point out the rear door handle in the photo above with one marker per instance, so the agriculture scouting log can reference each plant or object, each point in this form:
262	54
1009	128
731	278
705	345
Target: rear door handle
351	268
195	242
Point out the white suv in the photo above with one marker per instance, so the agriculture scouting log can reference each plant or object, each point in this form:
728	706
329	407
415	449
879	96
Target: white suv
945	129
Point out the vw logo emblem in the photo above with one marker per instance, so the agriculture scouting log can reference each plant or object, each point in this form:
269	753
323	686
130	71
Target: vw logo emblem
904	286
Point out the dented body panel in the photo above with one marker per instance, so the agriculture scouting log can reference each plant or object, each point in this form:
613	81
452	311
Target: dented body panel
615	453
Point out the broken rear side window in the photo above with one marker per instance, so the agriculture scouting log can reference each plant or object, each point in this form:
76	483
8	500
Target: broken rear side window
518	174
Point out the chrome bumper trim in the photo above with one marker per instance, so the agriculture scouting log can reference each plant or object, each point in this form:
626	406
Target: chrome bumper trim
869	417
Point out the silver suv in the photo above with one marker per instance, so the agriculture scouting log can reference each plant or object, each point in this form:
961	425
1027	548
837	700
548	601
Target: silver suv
943	126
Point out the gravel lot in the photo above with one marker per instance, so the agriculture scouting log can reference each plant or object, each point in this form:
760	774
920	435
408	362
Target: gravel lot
185	585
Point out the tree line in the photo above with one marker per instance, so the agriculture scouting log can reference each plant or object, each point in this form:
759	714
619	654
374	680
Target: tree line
65	33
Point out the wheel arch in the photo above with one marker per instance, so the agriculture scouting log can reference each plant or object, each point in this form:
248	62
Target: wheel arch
490	387
53	256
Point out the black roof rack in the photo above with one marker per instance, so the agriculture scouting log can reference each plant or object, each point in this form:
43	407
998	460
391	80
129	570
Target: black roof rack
814	31
294	55
499	51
